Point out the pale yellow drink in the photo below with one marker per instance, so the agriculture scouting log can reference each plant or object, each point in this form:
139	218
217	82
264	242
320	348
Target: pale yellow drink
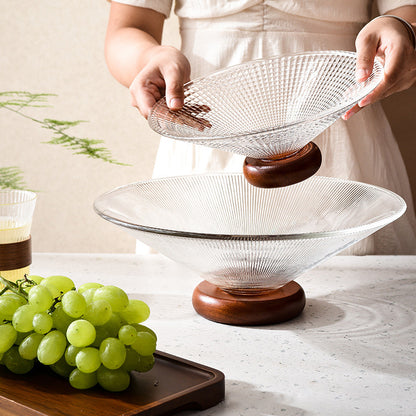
10	232
16	213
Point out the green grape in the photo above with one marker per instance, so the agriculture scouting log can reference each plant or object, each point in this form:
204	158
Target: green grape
8	306
144	344
70	354
132	360
88	360
89	294
101	333
114	324
40	298
145	363
28	348
61	320
127	334
113	380
117	298
81	381
13	295
8	337
23	318
98	312
21	336
81	333
73	304
52	289
52	347
136	311
15	363
112	353
42	322
90	335
61	283
143	328
87	286
37	279
62	368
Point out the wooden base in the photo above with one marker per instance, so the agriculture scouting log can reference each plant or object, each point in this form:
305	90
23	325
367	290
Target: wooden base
16	255
283	170
270	307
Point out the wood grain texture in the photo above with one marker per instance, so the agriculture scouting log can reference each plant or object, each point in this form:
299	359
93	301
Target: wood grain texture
173	384
283	170
16	255
270	307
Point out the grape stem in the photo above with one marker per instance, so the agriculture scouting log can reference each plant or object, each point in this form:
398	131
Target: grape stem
17	288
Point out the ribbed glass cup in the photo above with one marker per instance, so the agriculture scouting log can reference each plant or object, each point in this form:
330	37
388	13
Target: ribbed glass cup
266	107
16	213
246	239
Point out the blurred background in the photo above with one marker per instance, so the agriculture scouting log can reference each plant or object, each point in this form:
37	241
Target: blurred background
57	47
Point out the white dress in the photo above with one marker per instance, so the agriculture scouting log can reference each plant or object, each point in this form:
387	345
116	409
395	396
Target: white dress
220	33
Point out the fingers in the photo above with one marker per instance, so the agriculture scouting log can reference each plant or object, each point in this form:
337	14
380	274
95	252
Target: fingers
186	119
351	112
145	90
366	45
174	92
165	73
175	77
190	115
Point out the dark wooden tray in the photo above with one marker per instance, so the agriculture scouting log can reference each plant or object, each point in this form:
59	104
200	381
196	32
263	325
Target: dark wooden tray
172	385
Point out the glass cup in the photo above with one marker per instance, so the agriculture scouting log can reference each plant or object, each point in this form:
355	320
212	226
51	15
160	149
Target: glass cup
16	212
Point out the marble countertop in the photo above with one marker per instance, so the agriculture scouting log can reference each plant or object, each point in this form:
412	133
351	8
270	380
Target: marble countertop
351	352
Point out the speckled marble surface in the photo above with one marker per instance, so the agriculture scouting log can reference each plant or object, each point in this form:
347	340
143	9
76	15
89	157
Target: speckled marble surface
351	352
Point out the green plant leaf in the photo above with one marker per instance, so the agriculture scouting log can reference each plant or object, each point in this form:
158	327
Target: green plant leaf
17	101
11	177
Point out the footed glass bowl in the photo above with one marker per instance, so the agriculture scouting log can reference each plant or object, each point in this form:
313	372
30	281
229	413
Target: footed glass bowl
268	110
247	241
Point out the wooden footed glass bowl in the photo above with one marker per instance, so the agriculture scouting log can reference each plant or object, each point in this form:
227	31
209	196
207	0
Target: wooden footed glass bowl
268	110
249	243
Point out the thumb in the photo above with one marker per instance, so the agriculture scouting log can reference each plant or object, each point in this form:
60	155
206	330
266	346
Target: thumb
366	46
174	90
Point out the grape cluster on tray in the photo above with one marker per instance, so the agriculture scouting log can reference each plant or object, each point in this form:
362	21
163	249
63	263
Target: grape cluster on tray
91	335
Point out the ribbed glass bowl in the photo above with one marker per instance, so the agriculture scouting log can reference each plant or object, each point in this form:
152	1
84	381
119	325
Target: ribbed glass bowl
269	106
246	239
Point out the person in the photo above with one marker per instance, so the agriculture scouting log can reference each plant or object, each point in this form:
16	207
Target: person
218	33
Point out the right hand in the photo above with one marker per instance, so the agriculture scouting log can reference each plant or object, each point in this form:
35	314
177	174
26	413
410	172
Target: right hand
165	73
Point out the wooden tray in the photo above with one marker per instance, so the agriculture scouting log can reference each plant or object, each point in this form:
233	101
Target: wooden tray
172	385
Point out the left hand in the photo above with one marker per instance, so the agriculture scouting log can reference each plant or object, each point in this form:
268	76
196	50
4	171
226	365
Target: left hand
388	39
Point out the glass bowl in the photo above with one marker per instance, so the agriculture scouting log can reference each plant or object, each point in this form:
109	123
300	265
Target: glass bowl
243	239
266	107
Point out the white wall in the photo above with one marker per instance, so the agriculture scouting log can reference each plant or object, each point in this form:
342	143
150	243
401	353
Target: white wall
52	46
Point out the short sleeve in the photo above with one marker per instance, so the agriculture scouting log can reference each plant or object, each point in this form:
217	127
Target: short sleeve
161	6
385	5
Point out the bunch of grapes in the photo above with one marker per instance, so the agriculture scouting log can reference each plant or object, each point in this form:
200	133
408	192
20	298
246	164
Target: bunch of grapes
92	335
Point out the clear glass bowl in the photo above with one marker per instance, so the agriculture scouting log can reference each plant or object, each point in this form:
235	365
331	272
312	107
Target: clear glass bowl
269	106
246	239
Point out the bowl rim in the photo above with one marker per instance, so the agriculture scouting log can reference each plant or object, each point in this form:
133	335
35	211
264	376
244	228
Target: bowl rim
374	225
341	108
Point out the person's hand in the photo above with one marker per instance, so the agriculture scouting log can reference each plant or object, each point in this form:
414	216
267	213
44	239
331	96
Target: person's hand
388	39
165	73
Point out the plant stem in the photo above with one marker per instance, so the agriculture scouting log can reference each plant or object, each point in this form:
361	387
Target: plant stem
17	100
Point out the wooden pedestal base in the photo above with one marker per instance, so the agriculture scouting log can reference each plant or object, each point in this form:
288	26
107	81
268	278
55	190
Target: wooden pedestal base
283	170
270	307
